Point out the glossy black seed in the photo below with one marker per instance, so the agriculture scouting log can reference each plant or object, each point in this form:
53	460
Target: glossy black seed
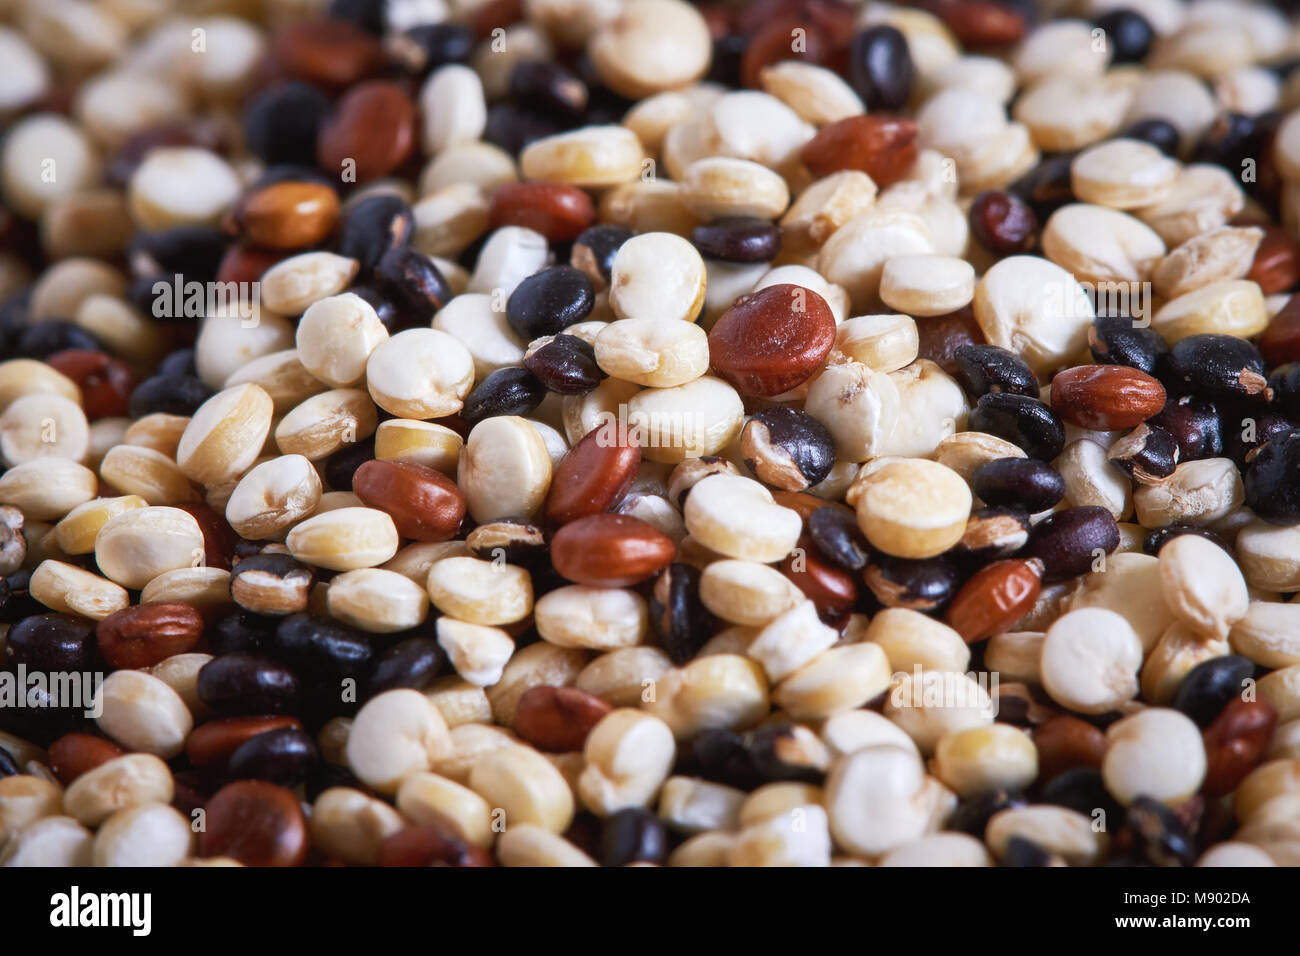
1285	383
1230	140
1023	852
42	339
1245	431
319	645
180	362
972	815
412	663
52	642
1273	481
634	835
170	394
367	14
680	620
1128	34
1046	187
785	752
1082	790
395	316
787	448
343	464
16	601
284	756
424	48
992	534
925	584
1161	134
8	765
239	631
248	684
838	537
1025	482
507	391
595	248
724	66
193	252
1116	340
513	127
414	281
1210	685
373	227
881	69
1145	454
982	369
1195	425
565	365
549	87
1159	836
548	302
1021	420
1068	542
280	124
738	239
1213	365
1157	539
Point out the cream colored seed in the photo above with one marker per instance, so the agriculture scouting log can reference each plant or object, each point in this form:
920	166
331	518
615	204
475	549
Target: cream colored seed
225	435
1126	587
180	672
1059	830
394	734
1202	585
597	618
853	730
592	157
620	677
420	373
1101	245
837	680
282	376
817	94
876	799
474	321
1090	478
43	425
504	469
697	419
336	336
911	639
927	284
1034	308
1230	307
536	665
477	652
526	786
652	352
155	477
791	640
160	432
651	46
1178	651
143	714
984	759
452	108
691	805
913	508
931	407
746	592
480	592
530	845
25	799
345	539
204	588
326	423
855	255
136	546
737	517
1123	174
722	186
19	377
73	590
34	139
425	443
273	496
120	327
65	285
627	757
352	825
381	602
1090	660
657	275
47	488
717	691
1016	655
1071	112
1223	254
1156	753
858	405
1281	688
1203	197
434	801
459	702
181	185
929	704
414	560
238	333
117	784
1269	634
76	532
49	841
290	286
150	835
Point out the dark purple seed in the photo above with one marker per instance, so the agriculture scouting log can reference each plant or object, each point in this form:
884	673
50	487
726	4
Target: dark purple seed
248	684
550	88
415	281
634	835
1157	539
738	239
1161	134
881	69
925	584
1273	481
990	368
1021	420
1208	687
565	365
507	391
1145	454
679	618
52	642
1069	542
838	537
373	227
284	756
1214	365
412	663
548	302
1018	482
281	123
1195	425
1002	222
1116	340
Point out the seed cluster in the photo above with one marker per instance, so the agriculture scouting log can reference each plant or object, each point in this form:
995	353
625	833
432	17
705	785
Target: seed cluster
803	432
